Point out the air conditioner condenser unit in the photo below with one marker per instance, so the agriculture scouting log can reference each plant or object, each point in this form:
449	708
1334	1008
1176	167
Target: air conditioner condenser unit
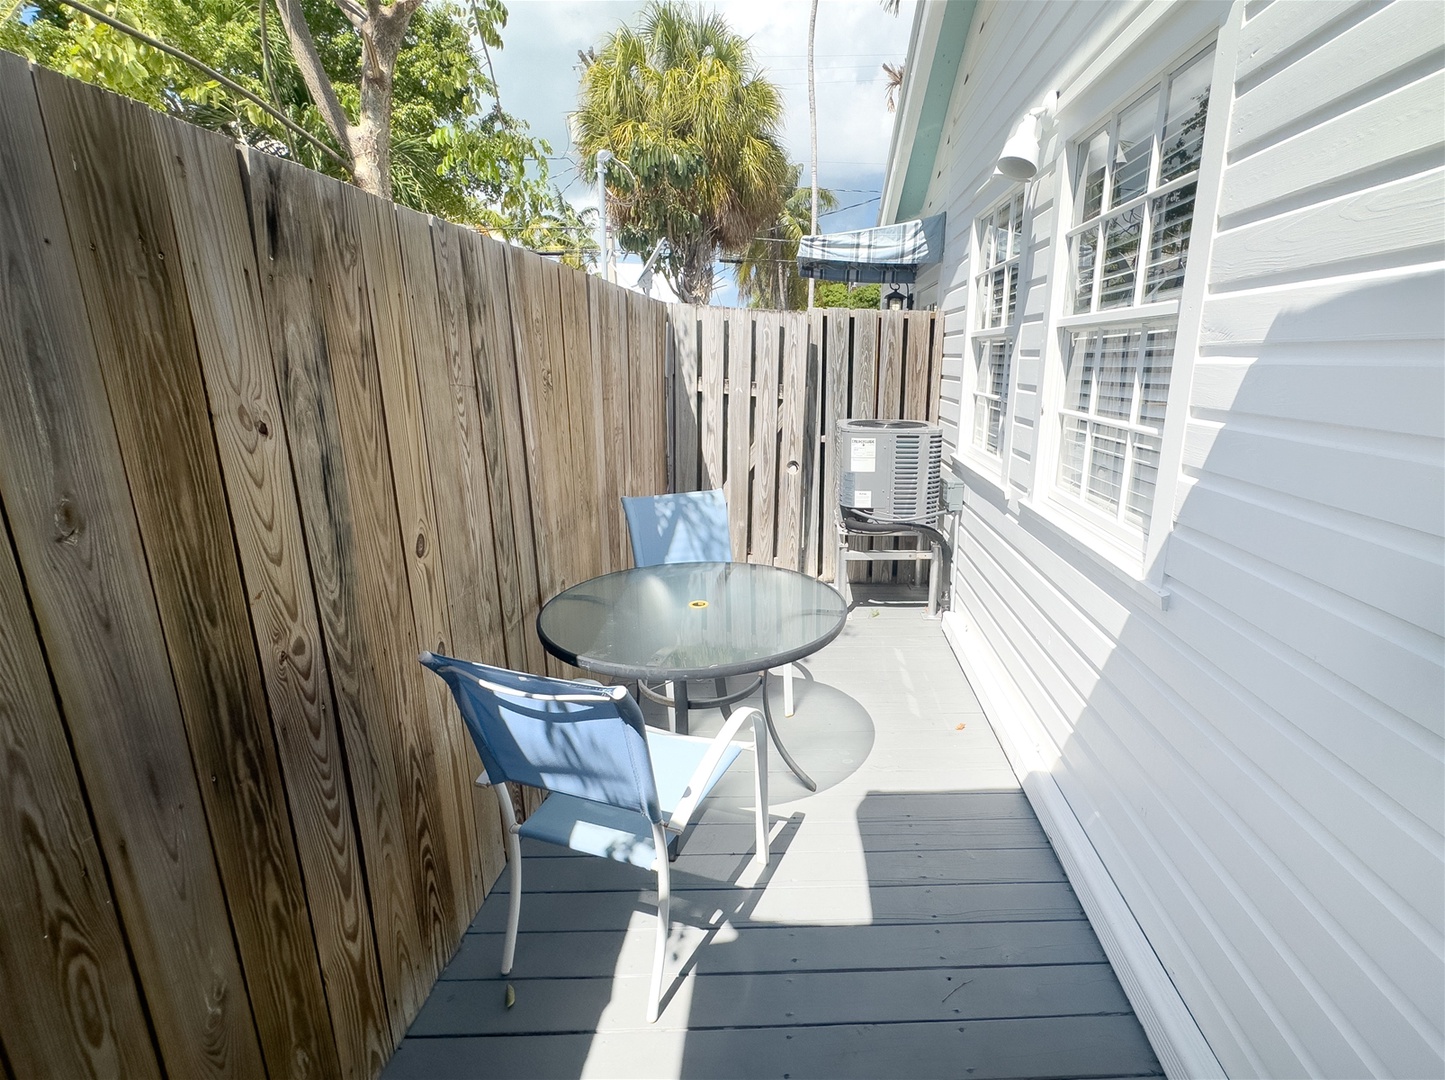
890	469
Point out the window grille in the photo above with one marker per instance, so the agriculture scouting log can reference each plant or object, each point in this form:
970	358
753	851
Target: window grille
996	288
1135	190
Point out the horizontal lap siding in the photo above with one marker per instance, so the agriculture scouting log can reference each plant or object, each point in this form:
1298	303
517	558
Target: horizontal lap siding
1259	764
1306	559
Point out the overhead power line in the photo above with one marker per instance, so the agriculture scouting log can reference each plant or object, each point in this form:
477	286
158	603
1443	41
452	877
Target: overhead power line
170	50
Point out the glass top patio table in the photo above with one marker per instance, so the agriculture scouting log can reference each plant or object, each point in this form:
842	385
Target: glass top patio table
681	621
691	620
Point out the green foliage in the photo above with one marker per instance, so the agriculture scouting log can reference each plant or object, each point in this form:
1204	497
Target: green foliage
455	153
767	273
678	100
836	294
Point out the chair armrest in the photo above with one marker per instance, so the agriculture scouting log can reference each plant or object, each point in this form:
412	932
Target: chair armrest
697	783
587	691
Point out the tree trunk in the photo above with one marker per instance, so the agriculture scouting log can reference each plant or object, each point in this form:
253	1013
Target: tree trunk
694	286
382	33
366	143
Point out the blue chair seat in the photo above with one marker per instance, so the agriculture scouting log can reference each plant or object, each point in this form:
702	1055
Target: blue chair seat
616	789
611	832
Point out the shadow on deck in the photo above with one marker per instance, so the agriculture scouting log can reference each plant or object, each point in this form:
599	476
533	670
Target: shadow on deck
913	920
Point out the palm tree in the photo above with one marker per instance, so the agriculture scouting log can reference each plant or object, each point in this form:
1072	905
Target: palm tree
767	273
894	75
679	103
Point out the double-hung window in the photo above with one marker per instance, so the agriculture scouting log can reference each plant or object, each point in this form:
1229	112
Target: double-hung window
995	290
1134	207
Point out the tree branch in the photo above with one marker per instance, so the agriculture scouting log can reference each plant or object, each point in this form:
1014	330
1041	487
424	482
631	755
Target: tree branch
308	62
267	67
206	69
354	12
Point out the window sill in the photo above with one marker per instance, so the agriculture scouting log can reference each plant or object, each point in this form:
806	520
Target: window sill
1038	516
980	463
1120	563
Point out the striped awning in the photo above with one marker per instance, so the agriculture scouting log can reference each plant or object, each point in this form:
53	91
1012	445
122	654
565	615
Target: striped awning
888	253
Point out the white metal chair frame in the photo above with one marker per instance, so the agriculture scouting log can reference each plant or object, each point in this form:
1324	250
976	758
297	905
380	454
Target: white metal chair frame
662	833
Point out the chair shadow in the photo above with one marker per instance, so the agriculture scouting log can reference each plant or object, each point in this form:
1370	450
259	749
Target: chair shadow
577	923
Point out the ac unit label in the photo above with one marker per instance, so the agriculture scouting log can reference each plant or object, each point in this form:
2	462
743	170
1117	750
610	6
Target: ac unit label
864	455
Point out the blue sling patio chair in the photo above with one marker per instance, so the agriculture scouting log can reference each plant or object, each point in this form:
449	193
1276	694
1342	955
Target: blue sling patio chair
617	789
689	526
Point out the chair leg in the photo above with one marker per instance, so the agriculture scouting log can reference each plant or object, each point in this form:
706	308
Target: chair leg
760	788
514	856
664	922
788	690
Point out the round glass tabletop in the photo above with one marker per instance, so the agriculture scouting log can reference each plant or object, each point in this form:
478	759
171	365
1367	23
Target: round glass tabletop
691	620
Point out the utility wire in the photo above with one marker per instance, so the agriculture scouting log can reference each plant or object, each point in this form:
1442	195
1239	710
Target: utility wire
171	50
851	206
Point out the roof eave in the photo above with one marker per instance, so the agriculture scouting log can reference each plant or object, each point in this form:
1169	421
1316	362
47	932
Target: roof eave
935	49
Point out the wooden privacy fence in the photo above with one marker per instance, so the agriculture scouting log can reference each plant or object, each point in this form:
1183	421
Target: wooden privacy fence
756	399
262	437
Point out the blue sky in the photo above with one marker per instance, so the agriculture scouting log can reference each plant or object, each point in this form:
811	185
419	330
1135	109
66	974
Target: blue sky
537	78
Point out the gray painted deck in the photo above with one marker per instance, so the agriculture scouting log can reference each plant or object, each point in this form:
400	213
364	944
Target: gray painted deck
913	920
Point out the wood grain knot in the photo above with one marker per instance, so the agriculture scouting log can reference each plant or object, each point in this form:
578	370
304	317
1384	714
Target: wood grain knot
67	522
262	429
420	545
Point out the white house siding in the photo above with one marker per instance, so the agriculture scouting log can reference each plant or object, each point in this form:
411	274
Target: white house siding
1250	736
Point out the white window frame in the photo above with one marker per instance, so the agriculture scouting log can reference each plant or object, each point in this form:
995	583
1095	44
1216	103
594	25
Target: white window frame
993	330
1129	546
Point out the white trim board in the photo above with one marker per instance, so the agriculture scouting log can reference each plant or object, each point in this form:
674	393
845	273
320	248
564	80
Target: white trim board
1170	1027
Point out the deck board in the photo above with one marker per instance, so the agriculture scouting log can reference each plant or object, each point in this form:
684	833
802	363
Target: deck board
912	921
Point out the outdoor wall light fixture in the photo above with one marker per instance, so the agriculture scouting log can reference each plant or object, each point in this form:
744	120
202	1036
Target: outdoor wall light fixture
1020	157
894	300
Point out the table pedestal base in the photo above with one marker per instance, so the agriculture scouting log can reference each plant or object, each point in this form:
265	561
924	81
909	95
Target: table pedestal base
681	703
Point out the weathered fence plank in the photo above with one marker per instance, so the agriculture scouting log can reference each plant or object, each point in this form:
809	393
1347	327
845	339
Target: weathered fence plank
808	370
812	388
446	381
763	531
307	246
67	501
711	380
738	386
647	337
835	408
791	450
917	378
499	391
68	1006
396	359
686	418
614	356
209	211
586	469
